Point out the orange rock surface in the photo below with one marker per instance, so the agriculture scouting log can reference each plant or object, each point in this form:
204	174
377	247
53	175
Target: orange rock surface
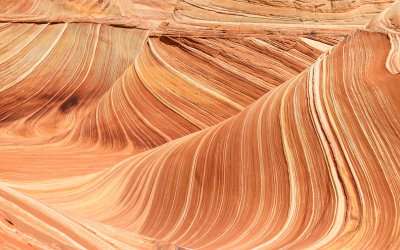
199	124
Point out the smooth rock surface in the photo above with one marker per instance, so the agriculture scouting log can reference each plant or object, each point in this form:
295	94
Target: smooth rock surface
199	124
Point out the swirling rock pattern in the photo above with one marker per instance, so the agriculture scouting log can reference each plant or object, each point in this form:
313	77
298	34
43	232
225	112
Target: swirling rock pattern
144	14
199	124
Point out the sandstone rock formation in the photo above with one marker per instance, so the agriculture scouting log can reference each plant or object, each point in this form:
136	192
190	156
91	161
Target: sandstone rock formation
199	124
281	11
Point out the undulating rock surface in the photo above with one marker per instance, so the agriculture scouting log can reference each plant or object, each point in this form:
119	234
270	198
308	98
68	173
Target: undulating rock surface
145	14
281	11
199	124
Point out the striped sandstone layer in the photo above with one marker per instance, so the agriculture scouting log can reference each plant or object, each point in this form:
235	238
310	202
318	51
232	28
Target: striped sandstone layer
208	140
99	101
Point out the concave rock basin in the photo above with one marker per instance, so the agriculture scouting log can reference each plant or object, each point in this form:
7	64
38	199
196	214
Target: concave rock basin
199	124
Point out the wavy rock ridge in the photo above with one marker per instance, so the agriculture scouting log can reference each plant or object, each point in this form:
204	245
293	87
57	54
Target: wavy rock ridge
247	135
